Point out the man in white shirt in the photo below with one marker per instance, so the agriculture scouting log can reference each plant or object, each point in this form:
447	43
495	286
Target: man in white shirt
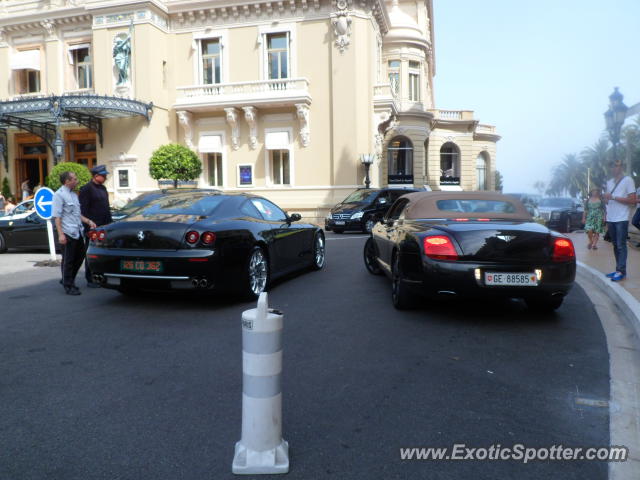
620	198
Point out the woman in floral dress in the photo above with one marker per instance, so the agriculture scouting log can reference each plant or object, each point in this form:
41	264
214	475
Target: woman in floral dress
594	217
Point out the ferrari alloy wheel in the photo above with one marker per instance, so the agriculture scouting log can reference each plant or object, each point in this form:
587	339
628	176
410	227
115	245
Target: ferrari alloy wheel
400	295
318	252
544	304
3	244
369	222
257	272
370	260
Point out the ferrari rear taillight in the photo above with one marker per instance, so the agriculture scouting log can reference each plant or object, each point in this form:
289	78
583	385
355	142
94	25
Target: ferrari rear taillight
440	247
208	238
93	235
102	235
192	237
563	250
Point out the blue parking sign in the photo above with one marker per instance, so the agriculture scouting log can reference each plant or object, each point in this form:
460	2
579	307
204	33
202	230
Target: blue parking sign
43	202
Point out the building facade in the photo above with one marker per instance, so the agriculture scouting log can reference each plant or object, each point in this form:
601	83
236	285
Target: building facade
282	98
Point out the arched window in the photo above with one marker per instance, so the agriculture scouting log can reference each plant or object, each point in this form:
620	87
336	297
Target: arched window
400	156
449	164
481	171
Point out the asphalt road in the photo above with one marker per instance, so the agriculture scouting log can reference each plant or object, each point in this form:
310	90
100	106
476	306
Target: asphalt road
104	386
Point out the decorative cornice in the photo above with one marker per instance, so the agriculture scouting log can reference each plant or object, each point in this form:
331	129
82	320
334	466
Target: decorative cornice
232	120
250	115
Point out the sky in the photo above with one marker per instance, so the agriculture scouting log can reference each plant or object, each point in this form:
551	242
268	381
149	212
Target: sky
541	72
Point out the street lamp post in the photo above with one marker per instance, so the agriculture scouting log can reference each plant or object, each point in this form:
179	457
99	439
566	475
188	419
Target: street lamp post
614	119
367	160
58	147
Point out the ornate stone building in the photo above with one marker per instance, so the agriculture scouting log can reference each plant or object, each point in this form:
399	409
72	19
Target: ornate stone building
281	98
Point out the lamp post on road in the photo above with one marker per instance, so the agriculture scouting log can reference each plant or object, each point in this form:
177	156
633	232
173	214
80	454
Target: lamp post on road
614	118
367	160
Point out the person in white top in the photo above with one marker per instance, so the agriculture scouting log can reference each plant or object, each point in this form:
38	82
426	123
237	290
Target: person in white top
635	221
620	198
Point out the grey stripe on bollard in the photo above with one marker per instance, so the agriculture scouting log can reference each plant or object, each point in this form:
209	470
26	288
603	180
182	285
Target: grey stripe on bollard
261	387
261	342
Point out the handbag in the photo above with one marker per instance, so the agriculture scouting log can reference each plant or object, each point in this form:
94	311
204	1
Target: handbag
607	237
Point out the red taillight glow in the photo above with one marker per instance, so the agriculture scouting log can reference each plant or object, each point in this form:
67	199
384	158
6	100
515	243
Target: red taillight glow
198	259
93	235
461	219
440	247
102	235
92	256
563	250
483	219
192	237
208	238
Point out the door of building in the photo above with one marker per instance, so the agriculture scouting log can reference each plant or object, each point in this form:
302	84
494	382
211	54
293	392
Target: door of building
31	164
81	147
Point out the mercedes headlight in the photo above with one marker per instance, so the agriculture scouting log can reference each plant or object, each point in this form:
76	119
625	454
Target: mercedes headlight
357	216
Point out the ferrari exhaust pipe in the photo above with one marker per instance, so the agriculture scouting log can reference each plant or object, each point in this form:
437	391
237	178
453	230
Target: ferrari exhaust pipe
203	283
194	282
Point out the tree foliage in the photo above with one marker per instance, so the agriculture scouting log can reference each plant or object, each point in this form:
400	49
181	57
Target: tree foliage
576	174
82	172
498	181
174	162
6	188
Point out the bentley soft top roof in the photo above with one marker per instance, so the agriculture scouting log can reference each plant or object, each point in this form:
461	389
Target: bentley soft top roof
464	204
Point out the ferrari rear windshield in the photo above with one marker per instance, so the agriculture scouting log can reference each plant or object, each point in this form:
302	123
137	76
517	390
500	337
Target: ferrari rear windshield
468	205
191	204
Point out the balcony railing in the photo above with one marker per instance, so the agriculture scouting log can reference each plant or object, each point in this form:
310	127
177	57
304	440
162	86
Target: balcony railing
263	92
486	129
452	114
447	180
385	96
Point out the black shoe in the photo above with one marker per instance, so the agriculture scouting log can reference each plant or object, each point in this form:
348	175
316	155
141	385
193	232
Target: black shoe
72	291
93	285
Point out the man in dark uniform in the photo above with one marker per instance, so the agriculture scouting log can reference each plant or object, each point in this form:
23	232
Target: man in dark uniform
94	204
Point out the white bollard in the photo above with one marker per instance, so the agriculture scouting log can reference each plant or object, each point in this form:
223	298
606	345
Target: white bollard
261	450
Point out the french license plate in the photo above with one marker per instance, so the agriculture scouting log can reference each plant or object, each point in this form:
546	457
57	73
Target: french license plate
339	222
153	266
511	279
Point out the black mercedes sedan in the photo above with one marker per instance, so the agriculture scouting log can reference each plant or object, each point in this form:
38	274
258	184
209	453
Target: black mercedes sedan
204	241
561	214
469	244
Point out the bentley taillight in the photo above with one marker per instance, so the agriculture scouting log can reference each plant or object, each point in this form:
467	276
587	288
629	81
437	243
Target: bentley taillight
439	247
563	250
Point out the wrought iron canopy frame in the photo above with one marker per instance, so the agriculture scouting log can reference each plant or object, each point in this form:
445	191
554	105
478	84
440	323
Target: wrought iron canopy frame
43	116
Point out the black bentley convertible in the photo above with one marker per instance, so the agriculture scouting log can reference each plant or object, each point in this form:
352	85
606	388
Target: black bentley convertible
469	244
204	241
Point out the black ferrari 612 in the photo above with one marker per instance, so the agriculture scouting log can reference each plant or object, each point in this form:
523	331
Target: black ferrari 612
469	244
205	241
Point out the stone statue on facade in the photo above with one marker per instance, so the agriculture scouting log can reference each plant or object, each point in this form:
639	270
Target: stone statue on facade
122	56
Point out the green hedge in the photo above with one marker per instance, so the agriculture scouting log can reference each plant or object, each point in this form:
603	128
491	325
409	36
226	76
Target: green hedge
82	172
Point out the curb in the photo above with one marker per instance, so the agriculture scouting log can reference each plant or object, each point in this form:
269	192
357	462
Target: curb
628	305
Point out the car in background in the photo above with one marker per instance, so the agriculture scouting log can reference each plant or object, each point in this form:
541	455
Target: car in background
205	241
147	197
561	213
530	202
362	209
469	245
24	229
